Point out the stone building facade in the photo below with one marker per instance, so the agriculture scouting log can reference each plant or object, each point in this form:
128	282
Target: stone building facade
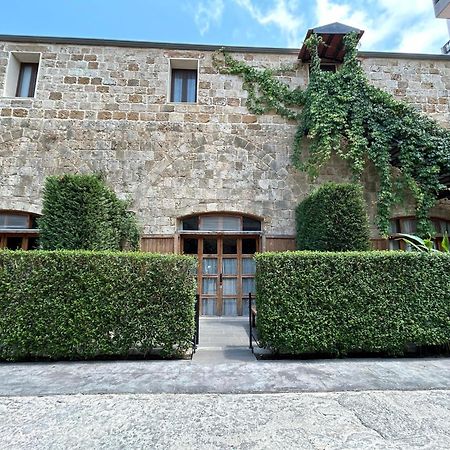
105	106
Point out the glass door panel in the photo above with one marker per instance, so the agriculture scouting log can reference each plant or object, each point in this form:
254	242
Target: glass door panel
209	306
230	286
229	266
230	307
209	266
248	266
209	286
248	285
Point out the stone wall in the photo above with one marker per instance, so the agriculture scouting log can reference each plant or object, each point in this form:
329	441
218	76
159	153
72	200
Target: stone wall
104	108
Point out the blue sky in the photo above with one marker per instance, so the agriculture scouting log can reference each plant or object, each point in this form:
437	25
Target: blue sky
390	25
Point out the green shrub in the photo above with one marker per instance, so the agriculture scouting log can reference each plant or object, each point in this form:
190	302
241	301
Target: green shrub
352	301
333	218
81	212
80	304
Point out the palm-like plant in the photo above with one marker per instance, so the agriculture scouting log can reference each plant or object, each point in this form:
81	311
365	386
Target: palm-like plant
424	245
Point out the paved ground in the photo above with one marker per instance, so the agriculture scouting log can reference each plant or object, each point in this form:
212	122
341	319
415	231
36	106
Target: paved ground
225	398
363	420
223	340
153	377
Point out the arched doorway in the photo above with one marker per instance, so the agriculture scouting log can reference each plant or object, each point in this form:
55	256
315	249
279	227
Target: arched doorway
225	245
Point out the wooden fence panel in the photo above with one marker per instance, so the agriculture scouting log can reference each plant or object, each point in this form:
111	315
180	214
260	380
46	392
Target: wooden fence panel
280	244
157	244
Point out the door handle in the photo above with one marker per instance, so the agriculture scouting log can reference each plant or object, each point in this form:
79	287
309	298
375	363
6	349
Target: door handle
220	279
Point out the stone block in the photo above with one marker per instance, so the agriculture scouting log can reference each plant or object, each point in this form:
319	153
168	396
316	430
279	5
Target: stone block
20	112
70	80
55	96
135	98
104	115
78	115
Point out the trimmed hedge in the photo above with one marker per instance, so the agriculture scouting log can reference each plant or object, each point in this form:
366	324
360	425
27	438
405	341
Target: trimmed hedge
80	304
333	218
80	212
311	302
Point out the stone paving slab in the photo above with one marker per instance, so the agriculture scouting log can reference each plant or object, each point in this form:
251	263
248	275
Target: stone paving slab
224	332
128	377
351	420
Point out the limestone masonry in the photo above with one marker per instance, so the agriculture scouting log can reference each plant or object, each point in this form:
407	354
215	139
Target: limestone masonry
107	108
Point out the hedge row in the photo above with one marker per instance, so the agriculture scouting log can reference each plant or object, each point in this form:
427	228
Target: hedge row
333	218
352	302
80	304
82	212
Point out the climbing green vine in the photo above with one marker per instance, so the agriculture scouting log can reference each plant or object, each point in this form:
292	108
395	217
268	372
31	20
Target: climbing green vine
343	113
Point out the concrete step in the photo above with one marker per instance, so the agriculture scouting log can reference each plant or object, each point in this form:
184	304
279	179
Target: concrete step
219	355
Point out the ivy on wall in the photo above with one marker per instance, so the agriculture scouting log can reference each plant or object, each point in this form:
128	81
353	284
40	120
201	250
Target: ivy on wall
343	113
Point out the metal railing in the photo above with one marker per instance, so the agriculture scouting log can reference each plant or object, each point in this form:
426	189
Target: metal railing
252	322
196	337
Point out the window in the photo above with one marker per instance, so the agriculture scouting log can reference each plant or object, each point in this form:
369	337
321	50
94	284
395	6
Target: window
21	74
218	222
26	84
328	68
408	225
18	230
183	80
184	86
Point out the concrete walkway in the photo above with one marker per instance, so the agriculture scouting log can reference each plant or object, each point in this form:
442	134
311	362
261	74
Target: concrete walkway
223	340
152	377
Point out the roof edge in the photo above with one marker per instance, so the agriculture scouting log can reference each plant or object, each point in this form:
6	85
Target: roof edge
396	55
138	44
200	47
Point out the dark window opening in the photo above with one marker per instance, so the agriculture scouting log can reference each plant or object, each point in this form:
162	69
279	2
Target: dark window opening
248	246
328	68
229	246
184	86
190	246
210	246
13	243
33	243
191	223
26	84
251	224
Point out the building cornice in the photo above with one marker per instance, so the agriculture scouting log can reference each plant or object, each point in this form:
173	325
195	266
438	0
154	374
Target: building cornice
197	47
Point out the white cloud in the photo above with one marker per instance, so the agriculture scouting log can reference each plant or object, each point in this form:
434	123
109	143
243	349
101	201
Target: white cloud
283	14
208	12
389	20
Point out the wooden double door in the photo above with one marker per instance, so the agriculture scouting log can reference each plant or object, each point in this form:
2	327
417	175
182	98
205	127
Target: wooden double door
226	272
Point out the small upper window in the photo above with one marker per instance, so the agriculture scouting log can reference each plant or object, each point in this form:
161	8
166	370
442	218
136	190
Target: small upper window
328	68
184	85
21	74
183	80
26	84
